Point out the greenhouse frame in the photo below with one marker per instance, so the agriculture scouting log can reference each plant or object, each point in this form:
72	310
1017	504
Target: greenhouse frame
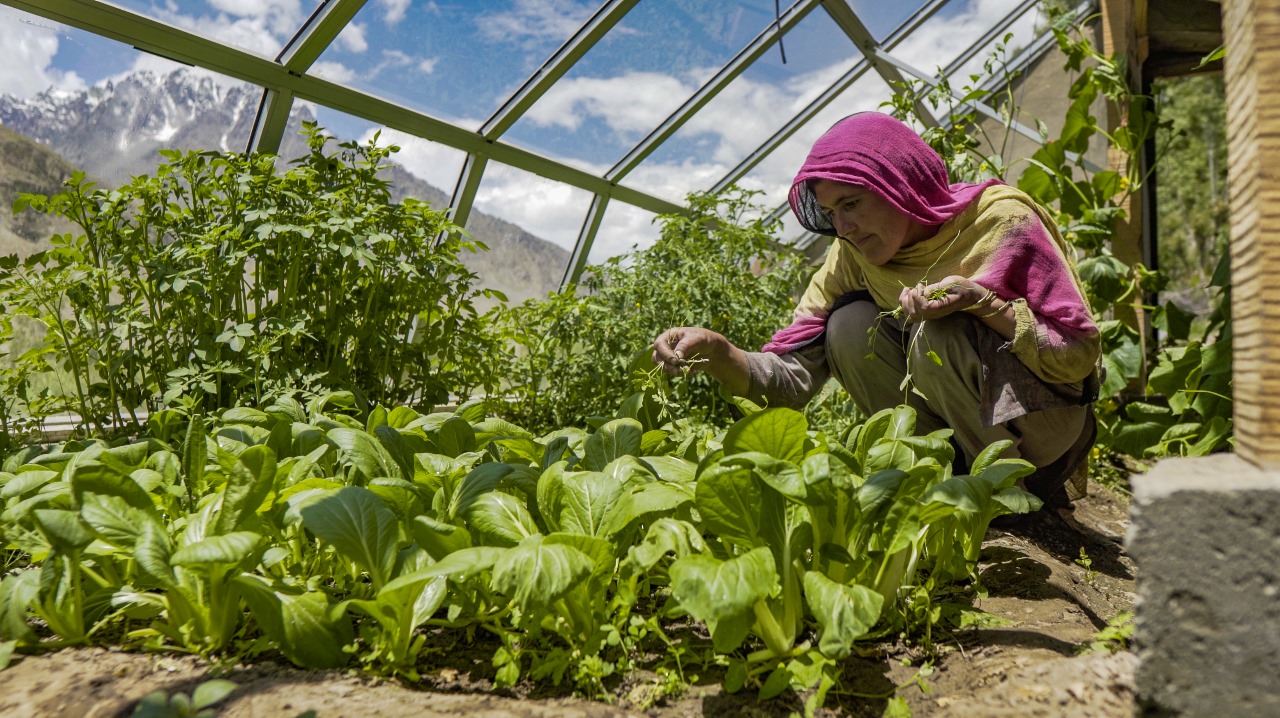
384	476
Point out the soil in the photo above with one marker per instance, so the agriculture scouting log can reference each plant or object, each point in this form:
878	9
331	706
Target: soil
1031	666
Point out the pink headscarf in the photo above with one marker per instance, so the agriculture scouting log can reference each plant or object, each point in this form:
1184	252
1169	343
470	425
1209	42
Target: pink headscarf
882	154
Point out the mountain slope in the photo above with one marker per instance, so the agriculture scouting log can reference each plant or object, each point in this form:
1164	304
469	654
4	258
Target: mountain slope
30	167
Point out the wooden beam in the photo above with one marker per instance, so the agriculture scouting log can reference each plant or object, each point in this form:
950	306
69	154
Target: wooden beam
1252	73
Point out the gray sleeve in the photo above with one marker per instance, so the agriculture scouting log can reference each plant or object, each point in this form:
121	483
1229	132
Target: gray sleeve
789	380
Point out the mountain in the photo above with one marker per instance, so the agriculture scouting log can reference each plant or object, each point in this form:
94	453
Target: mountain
113	131
30	167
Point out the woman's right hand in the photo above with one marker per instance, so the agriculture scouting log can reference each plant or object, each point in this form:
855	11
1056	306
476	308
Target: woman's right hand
685	349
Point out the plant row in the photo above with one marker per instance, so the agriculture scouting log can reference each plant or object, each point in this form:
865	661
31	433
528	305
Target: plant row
335	537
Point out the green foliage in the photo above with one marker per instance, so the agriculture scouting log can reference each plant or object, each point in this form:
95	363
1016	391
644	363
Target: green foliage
716	266
1114	637
220	281
179	705
1191	196
1185	406
334	538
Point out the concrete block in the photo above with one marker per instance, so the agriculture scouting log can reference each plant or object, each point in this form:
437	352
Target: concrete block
1205	535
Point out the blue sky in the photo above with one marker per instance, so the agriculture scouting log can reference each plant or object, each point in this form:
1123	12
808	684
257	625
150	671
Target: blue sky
458	59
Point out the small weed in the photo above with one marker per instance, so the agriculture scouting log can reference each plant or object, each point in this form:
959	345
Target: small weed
1113	638
1090	575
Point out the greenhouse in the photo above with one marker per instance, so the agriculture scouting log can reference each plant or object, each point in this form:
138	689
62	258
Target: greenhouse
639	358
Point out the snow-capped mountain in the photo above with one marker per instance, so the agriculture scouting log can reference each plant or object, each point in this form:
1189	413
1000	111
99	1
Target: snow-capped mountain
113	130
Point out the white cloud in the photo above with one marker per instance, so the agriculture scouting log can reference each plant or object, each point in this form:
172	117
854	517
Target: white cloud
394	10
631	103
428	65
431	162
535	22
283	17
31	44
352	38
333	71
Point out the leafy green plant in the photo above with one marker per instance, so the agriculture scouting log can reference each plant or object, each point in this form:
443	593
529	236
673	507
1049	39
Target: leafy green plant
223	281
334	536
199	704
717	266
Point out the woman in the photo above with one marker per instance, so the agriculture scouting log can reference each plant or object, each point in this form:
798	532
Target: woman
964	291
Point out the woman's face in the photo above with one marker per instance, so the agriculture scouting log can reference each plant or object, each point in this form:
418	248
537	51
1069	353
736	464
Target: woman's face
873	226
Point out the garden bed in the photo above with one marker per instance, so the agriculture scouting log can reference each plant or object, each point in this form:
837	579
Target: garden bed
1033	572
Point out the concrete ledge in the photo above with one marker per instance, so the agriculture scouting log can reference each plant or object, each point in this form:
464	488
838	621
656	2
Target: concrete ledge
1205	534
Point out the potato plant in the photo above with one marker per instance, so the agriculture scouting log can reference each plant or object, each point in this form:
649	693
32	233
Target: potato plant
220	280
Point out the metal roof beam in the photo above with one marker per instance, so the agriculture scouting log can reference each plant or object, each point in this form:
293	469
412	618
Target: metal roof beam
735	67
849	21
270	122
317	33
556	66
464	193
188	48
989	35
586	238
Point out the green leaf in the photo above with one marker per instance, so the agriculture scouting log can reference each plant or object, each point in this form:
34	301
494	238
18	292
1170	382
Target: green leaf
438	538
460	566
109	477
1147	424
231	548
666	535
304	625
620	437
594	504
455	437
364	454
500	519
360	527
151	551
211	692
6	653
778	432
479	481
723	594
1105	276
250	477
536	574
17	591
63	529
734	506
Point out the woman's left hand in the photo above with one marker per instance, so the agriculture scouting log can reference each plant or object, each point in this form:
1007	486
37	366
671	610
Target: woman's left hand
931	301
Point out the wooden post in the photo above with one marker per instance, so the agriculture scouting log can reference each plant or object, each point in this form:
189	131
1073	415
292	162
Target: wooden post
1124	37
1252	72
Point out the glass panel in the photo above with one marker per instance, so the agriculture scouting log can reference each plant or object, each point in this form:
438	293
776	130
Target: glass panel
1024	33
107	108
624	229
530	224
458	61
258	26
747	112
774	173
951	31
882	18
646	67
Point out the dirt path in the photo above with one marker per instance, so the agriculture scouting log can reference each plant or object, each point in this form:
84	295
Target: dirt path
1030	667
